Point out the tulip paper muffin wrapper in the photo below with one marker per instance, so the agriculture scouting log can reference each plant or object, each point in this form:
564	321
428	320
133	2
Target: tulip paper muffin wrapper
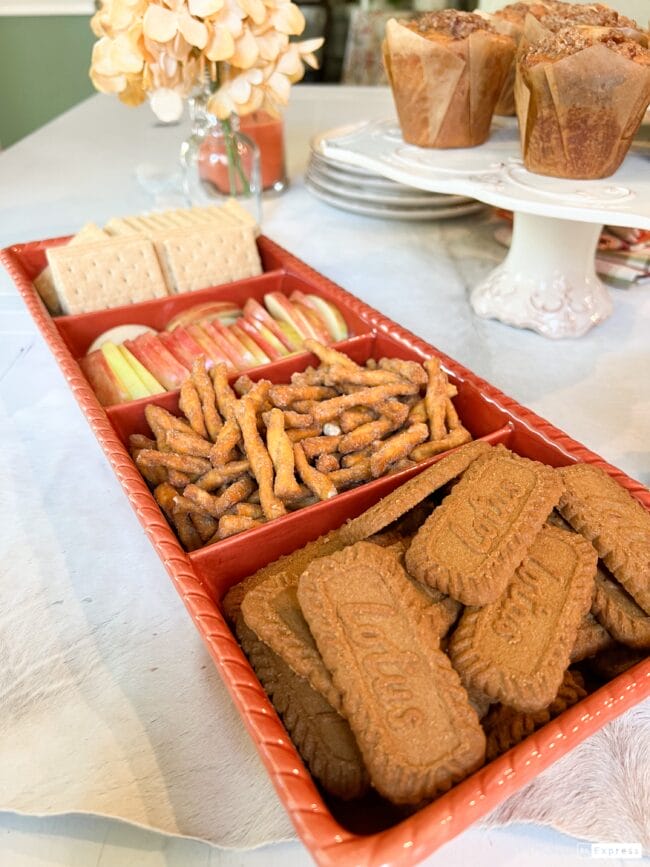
582	112
445	94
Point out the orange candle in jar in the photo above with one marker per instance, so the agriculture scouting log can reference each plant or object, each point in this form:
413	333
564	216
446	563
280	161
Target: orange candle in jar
268	134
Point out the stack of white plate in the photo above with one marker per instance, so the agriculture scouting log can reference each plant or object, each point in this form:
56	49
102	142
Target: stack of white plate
362	192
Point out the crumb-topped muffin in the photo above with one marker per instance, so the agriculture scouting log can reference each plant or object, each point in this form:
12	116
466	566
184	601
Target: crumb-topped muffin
446	70
586	91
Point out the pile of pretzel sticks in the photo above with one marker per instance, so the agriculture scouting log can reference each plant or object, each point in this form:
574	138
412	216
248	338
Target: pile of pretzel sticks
246	454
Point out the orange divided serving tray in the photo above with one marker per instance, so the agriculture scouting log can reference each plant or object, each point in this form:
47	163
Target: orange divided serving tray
335	832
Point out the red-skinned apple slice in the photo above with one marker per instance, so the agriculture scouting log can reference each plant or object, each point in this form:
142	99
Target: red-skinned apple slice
331	316
284	310
250	343
266	339
118	334
158	360
313	317
237	350
253	334
210	347
226	311
181	345
254	311
233	356
106	385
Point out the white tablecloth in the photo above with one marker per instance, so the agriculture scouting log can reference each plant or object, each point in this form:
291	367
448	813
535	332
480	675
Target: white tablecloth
88	618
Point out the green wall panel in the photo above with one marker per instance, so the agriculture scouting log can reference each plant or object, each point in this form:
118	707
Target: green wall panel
44	65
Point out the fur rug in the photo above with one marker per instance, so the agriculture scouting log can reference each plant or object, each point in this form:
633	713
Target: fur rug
600	791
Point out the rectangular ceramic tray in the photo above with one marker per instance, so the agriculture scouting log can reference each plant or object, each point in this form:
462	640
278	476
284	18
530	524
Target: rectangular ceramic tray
335	833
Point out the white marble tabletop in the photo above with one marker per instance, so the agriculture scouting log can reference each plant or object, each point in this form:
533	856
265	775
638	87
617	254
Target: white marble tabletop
82	166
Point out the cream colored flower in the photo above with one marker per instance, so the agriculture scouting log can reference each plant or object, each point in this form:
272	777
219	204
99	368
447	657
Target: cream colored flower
270	43
162	24
286	17
162	47
116	15
246	50
224	28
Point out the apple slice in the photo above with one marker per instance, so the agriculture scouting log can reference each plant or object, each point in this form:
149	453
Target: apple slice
108	388
226	311
209	345
331	316
250	343
292	335
242	357
181	345
119	334
254	312
268	342
158	360
123	370
313	318
284	310
150	381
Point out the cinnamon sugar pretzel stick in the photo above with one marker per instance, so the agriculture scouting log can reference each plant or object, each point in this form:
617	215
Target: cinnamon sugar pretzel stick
260	460
435	399
280	450
317	482
206	393
190	405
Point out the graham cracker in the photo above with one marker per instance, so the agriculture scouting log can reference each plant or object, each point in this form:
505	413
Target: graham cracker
411	718
200	257
106	274
44	283
516	650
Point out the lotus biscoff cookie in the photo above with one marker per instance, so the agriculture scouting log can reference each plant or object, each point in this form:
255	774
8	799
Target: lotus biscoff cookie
321	735
506	727
619	527
516	649
472	543
591	639
619	614
272	611
404	702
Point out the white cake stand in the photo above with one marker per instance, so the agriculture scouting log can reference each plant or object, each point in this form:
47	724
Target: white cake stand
548	280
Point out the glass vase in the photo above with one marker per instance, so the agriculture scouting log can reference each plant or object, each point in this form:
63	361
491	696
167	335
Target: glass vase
219	161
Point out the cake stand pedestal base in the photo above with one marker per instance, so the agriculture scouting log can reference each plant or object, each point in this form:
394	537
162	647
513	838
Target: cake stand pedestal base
548	280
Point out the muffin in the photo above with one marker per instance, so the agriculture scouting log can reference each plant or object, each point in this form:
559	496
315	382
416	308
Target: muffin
511	20
446	70
528	22
583	98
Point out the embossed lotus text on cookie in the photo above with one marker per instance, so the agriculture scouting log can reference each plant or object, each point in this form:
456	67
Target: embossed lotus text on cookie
404	702
619	527
517	649
472	544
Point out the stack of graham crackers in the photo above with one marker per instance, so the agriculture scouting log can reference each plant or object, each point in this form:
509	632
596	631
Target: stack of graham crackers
145	257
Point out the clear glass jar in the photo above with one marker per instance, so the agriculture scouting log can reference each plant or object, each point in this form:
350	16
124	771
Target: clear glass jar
219	161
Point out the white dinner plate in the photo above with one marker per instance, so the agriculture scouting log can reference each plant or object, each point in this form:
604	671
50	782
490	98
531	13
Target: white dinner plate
402	197
391	213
